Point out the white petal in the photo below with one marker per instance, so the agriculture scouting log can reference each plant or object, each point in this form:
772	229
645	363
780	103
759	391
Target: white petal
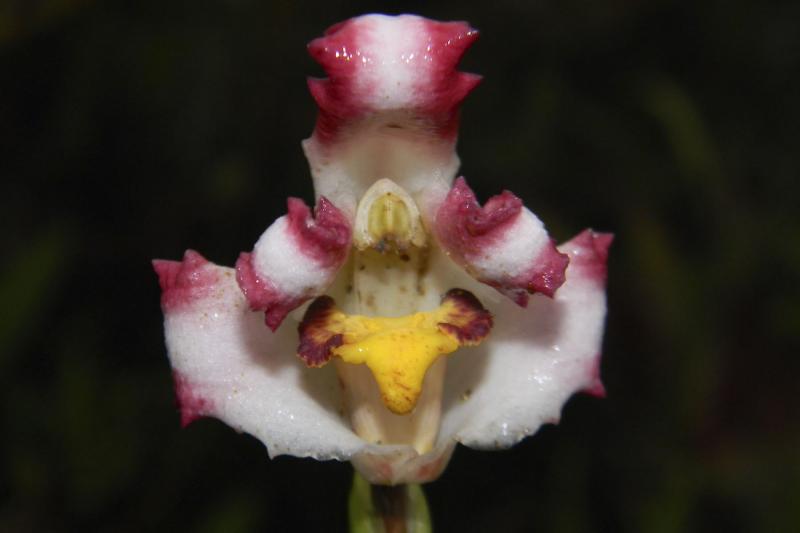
230	366
501	244
295	259
535	358
389	107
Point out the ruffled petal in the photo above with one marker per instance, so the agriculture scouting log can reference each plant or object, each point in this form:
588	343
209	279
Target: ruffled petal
535	358
227	365
296	259
501	244
389	107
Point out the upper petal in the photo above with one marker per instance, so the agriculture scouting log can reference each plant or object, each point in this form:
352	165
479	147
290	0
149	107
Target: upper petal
381	63
389	107
295	259
501	244
535	359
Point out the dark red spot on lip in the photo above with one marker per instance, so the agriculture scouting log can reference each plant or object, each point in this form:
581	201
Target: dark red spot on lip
184	282
470	323
316	341
191	404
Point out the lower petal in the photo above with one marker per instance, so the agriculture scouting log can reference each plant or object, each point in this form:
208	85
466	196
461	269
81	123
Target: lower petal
535	359
229	366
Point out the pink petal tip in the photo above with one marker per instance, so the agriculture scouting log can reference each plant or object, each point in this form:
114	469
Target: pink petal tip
475	236
365	57
588	253
262	295
191	404
183	282
322	240
595	387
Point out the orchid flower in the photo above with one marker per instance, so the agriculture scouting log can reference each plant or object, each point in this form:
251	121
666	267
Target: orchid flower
400	316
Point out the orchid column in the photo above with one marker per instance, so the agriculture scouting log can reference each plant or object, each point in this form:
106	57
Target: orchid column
446	321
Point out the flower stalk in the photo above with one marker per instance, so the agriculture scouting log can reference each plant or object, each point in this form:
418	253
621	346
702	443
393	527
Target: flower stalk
387	508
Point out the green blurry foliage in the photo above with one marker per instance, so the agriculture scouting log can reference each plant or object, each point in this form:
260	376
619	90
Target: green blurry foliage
133	130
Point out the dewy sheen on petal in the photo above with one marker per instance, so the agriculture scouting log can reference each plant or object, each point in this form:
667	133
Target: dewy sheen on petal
501	244
295	259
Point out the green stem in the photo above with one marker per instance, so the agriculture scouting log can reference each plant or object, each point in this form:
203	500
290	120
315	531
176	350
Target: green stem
387	509
391	505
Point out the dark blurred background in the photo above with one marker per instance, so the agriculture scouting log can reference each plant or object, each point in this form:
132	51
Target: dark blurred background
133	130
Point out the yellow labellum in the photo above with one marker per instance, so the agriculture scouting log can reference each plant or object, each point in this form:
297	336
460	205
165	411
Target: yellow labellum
398	350
398	359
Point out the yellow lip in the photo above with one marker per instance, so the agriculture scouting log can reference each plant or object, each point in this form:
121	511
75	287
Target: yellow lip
397	350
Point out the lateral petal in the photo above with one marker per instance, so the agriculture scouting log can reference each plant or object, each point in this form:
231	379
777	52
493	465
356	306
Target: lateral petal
295	259
501	244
